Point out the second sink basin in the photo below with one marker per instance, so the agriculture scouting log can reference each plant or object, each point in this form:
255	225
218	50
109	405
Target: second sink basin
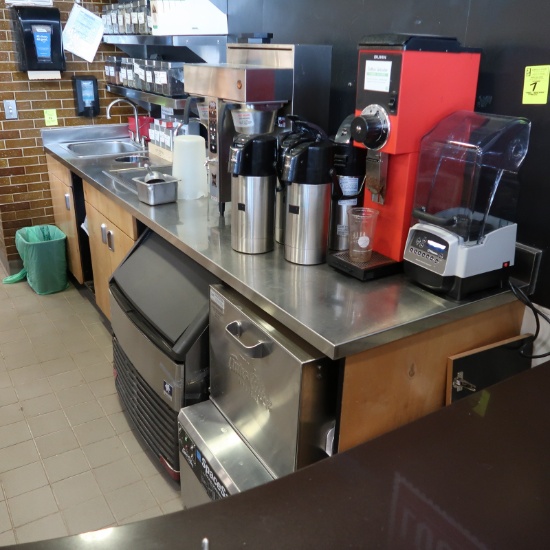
103	147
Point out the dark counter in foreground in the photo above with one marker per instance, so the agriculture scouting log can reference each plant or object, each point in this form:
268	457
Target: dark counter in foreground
473	475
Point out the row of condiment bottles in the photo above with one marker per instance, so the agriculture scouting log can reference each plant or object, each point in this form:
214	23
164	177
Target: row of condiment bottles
162	131
127	18
159	77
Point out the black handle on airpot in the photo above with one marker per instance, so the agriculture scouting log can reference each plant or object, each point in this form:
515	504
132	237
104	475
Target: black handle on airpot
309	162
254	155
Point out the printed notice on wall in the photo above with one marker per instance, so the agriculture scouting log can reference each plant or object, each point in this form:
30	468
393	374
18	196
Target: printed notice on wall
82	33
535	85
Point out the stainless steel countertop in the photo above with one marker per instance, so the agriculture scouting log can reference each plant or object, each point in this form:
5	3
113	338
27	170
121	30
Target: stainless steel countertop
337	314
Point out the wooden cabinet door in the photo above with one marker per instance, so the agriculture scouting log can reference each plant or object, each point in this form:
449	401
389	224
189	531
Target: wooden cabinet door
118	244
396	383
65	216
108	247
112	211
101	262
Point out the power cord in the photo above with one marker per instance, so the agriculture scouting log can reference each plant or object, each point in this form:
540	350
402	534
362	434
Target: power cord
537	313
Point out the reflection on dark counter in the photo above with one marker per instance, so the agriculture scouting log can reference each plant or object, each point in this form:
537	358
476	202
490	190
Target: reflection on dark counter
473	475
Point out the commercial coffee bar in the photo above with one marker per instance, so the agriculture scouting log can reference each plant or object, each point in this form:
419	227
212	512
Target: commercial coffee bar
317	239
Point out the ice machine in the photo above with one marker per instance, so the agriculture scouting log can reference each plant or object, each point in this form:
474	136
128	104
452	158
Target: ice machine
159	317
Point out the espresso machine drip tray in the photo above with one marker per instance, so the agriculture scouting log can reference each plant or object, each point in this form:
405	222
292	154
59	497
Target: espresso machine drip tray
378	266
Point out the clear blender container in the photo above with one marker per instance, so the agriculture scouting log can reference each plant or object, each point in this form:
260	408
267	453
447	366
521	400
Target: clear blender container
466	175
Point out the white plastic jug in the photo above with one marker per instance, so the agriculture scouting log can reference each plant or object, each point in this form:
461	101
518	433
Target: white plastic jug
189	167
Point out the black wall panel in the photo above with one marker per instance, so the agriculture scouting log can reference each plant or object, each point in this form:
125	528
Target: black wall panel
513	34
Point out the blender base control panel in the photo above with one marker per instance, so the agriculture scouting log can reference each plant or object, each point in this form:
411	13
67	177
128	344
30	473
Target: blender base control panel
427	249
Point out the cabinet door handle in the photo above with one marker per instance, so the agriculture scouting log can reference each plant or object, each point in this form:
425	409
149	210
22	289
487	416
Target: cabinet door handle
110	240
67	201
104	233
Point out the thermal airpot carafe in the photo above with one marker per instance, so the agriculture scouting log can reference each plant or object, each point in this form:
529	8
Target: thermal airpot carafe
308	173
252	165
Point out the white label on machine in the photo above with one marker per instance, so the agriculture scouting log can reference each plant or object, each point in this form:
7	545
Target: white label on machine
243	120
342	230
349	185
347	202
168	389
377	75
217	299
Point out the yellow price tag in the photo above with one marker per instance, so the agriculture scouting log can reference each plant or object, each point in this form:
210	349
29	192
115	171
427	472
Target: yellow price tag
535	85
50	117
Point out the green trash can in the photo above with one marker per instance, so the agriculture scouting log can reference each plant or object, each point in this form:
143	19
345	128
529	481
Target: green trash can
43	251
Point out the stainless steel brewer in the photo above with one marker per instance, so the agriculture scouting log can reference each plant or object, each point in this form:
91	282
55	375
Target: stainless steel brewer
239	99
308	173
295	75
252	164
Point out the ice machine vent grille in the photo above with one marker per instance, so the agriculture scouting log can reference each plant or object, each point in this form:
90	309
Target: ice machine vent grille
154	419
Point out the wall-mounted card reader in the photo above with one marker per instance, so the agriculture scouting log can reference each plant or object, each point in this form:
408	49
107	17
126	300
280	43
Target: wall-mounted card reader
38	35
86	96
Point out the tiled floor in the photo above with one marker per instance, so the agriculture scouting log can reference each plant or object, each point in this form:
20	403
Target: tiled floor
69	460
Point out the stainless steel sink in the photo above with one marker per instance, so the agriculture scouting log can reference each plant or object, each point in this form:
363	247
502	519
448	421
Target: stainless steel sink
101	148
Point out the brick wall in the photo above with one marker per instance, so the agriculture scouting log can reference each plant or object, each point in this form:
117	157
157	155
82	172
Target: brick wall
24	188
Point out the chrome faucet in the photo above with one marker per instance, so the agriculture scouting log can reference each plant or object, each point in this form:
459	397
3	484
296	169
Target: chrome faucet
137	137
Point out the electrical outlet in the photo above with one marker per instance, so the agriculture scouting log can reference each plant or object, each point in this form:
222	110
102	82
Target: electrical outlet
10	109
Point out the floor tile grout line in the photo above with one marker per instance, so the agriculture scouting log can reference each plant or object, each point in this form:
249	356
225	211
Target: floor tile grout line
108	415
41	460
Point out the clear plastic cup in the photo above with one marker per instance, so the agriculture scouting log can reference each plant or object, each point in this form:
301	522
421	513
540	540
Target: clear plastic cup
362	224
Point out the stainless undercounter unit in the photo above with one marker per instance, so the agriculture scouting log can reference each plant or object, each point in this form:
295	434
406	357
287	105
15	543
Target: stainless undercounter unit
214	461
275	389
272	402
159	317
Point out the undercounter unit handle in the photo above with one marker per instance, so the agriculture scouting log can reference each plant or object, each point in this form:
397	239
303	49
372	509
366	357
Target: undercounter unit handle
235	330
